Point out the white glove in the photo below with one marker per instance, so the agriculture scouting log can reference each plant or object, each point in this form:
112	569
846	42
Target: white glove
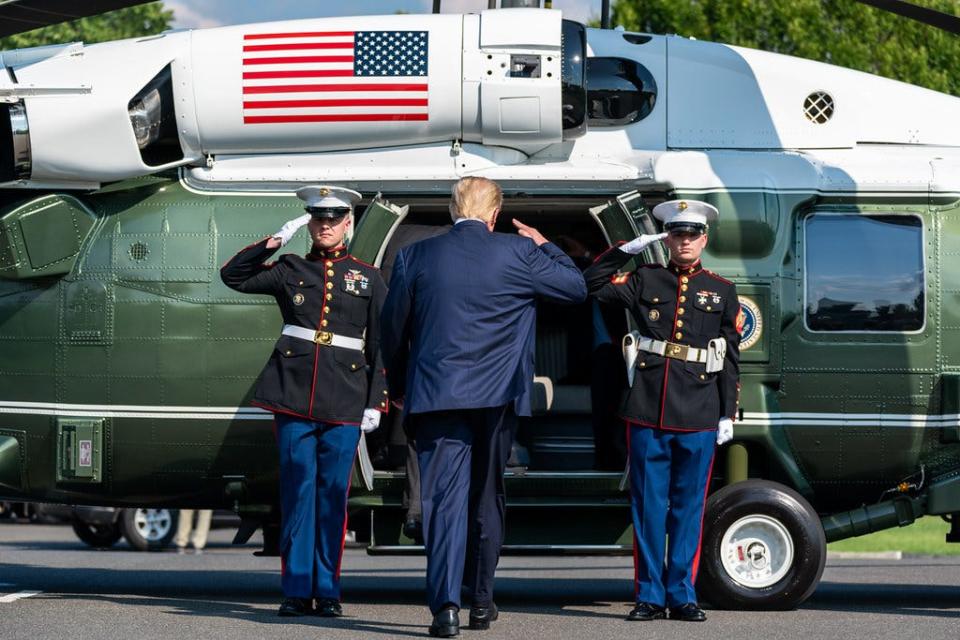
724	431
290	227
370	421
637	245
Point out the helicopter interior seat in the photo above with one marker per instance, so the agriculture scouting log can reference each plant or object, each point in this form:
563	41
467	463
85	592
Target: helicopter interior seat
559	436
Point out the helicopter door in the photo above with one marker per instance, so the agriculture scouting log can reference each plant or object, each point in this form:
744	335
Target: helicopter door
625	218
375	228
370	237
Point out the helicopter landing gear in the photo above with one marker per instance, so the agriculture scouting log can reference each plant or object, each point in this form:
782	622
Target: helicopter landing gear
763	547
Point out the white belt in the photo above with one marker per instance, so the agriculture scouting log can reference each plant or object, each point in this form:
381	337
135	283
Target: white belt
323	337
672	350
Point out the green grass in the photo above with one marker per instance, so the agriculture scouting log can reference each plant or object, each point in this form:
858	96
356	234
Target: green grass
925	536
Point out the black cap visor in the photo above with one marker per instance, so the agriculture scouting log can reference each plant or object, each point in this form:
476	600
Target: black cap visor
327	213
685	227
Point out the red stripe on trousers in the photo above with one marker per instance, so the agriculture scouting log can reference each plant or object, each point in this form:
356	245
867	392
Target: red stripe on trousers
703	510
343	537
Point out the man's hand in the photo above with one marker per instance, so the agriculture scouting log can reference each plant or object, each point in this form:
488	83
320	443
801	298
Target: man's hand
529	232
640	243
288	229
370	421
724	431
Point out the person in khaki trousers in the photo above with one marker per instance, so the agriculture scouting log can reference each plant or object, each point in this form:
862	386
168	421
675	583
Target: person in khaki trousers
199	538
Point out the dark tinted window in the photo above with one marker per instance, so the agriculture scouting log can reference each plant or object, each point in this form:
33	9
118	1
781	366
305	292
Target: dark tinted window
864	273
572	84
619	92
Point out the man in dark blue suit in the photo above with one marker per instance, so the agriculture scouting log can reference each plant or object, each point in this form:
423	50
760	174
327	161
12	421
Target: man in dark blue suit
464	302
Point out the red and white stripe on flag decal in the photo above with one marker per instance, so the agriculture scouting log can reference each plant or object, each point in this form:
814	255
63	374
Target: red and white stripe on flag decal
335	76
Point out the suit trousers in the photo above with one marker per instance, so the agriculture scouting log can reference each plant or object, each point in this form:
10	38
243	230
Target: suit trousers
462	455
316	459
669	473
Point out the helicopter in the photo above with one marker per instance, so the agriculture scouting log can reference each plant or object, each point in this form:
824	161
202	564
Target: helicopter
130	170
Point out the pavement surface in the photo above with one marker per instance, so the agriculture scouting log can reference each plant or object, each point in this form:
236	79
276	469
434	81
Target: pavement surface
52	586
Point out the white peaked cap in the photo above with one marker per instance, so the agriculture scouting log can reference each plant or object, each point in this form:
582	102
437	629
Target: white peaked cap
327	197
685	213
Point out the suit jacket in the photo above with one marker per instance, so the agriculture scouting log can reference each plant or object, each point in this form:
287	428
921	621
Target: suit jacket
465	302
682	305
326	291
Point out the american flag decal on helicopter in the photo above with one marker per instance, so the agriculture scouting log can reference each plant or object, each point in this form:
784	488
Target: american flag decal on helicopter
335	76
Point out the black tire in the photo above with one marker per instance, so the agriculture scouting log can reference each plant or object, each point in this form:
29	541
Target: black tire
149	529
98	536
769	504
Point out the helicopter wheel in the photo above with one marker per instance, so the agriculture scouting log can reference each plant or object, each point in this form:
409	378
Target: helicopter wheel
763	547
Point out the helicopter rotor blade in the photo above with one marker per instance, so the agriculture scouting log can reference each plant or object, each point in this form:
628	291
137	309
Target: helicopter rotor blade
932	17
18	16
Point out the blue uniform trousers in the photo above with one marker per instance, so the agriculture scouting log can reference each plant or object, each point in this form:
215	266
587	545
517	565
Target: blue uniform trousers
315	463
462	455
669	471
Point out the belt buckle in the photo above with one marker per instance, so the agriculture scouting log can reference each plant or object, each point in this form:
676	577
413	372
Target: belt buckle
323	337
678	351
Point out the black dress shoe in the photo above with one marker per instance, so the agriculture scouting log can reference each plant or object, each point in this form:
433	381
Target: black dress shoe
328	608
294	607
413	529
644	611
689	612
481	617
446	624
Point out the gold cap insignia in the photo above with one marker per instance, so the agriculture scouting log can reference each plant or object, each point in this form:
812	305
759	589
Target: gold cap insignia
682	205
325	192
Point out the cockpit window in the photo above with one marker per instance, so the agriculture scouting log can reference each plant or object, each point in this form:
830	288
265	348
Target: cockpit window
864	273
619	92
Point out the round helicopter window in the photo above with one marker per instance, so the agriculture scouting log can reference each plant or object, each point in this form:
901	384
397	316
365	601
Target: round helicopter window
818	107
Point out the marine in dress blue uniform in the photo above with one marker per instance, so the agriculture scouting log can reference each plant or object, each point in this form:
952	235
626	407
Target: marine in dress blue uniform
685	388
465	304
324	381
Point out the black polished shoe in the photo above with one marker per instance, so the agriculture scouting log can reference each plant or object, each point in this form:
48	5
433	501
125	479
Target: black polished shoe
328	608
644	612
413	529
481	617
446	624
689	612
294	607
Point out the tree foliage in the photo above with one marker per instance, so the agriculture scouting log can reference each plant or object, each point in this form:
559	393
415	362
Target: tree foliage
841	32
132	22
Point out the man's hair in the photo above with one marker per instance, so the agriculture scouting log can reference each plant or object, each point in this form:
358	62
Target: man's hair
475	198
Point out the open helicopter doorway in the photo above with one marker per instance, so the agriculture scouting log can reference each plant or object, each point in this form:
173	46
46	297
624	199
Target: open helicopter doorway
579	372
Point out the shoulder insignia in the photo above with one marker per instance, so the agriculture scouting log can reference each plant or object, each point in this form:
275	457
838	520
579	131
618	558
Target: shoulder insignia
358	261
620	278
713	275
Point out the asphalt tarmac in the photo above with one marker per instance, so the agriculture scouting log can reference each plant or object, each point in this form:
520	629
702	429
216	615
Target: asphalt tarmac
53	586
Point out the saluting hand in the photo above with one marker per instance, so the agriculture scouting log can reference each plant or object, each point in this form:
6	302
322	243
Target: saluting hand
640	243
289	228
529	232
